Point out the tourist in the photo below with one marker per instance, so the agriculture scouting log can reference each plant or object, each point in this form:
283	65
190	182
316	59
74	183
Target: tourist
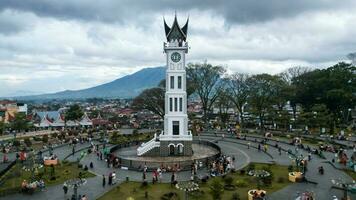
144	176
91	165
65	188
280	150
309	156
104	180
248	145
321	170
110	179
113	175
73	150
159	174
259	147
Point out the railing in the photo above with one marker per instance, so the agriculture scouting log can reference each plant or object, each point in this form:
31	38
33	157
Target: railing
145	147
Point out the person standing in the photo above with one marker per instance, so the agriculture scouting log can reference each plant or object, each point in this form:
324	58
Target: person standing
104	180
110	179
73	150
65	188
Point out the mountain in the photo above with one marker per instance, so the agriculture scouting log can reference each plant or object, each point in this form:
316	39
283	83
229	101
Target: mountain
125	87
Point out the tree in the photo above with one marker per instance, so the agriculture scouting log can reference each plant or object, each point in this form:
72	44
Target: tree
288	76
20	122
334	87
223	103
73	113
28	142
238	92
216	189
151	99
2	127
206	79
262	94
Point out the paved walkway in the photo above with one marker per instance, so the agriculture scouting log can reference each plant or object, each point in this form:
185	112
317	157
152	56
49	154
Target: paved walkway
230	146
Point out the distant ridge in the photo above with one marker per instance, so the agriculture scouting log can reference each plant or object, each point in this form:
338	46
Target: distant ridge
126	87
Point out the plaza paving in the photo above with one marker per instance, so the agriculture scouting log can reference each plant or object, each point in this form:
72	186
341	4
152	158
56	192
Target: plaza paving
230	146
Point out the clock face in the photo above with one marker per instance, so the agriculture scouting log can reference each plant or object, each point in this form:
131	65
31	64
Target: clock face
175	57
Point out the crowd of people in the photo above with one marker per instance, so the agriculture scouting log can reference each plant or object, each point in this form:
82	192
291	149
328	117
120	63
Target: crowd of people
221	165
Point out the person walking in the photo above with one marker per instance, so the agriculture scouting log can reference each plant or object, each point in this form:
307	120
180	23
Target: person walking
65	188
104	180
248	145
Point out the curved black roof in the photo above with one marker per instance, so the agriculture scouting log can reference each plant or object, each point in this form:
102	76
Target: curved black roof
175	32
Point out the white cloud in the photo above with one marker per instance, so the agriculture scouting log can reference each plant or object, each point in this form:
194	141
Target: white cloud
49	54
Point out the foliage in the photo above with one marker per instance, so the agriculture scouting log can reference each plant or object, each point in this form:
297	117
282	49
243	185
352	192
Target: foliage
73	113
20	122
223	103
263	91
241	183
206	79
28	142
216	189
151	99
2	127
228	180
332	87
235	196
45	138
238	88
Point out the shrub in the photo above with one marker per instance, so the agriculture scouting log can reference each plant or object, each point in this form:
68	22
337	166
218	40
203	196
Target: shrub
28	142
144	184
252	166
216	189
242	172
169	196
235	196
45	138
228	180
281	180
241	183
16	143
54	135
290	168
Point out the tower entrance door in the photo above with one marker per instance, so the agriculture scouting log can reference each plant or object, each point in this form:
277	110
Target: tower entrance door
171	150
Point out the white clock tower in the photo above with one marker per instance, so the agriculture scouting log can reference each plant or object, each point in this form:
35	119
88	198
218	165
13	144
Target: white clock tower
175	139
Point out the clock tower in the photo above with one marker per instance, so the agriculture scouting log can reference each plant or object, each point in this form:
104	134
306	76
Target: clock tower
175	139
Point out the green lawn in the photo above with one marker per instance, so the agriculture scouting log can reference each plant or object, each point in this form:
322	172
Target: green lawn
11	181
350	173
134	189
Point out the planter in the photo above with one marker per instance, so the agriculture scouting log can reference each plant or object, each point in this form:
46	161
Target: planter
295	177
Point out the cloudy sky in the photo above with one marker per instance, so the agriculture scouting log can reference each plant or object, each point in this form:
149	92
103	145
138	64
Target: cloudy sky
49	46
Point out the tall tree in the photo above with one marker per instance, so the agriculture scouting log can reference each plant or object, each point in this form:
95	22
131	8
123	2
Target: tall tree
73	113
223	103
288	76
20	122
238	92
2	127
207	82
262	95
151	99
335	87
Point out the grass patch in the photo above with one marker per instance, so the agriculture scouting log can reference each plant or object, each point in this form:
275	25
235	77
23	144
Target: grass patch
350	173
242	182
136	191
11	181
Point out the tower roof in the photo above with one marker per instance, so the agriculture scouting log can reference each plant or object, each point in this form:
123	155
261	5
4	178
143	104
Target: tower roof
175	32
